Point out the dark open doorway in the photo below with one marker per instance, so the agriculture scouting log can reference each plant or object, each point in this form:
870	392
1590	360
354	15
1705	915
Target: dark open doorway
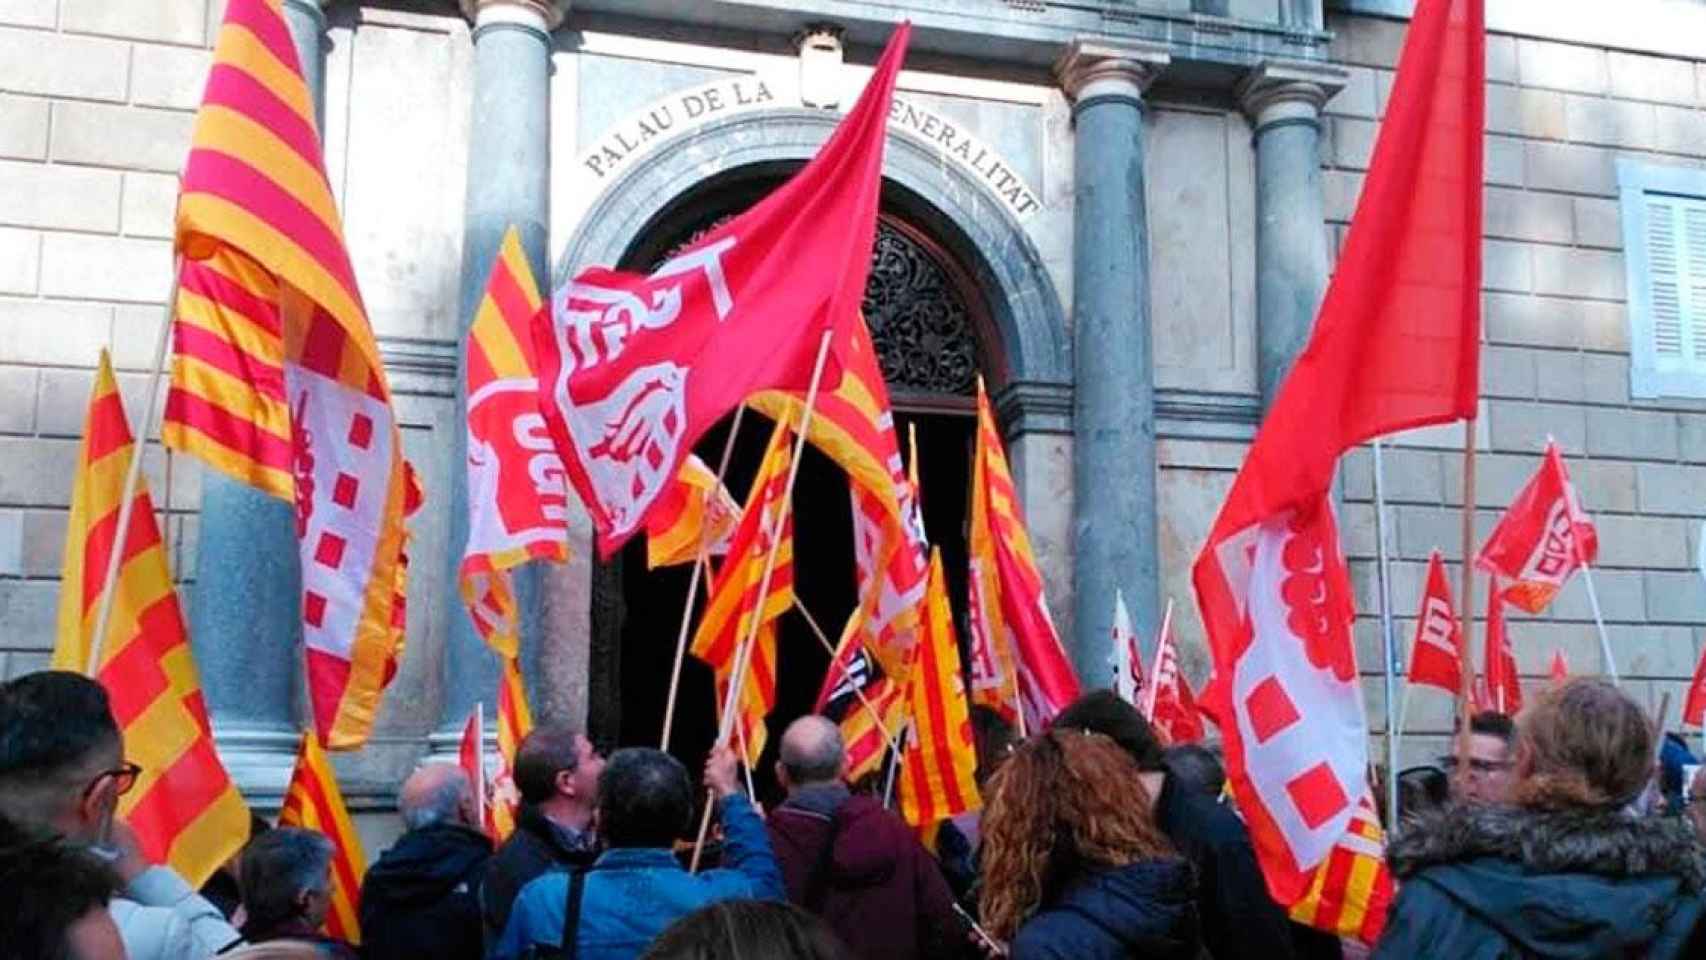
928	319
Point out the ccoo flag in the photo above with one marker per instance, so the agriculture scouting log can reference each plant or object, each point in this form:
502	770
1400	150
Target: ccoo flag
276	377
1436	655
939	763
313	801
1542	539
1395	346
184	808
518	501
634	370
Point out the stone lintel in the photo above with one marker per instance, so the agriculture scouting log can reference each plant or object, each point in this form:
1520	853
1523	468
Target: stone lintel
1293	90
1034	406
546	15
1094	68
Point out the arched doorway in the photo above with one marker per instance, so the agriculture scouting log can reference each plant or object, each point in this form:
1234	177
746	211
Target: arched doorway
934	333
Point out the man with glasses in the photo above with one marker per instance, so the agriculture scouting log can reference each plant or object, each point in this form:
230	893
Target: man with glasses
62	770
1488	779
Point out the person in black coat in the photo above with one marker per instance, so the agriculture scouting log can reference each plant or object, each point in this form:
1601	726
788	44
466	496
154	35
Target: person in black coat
422	899
1239	919
1567	871
1074	866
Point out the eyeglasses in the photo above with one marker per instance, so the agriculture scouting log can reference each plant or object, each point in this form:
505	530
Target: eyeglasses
124	777
1476	765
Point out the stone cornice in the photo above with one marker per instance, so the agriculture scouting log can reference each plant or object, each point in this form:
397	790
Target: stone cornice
1288	90
1096	68
549	12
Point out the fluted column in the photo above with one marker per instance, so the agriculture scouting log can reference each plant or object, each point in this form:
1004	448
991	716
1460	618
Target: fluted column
1114	523
245	610
1283	101
508	183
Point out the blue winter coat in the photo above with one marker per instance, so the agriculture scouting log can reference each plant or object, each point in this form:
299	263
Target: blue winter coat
1490	883
630	895
1146	909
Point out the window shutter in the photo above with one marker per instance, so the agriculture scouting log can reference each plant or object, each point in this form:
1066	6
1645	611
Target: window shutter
1676	282
1694	279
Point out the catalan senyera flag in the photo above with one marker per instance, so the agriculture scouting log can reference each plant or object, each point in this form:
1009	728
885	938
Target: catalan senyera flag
696	508
939	763
735	601
1018	663
865	731
314	802
518	499
276	378
1352	889
515	722
184	808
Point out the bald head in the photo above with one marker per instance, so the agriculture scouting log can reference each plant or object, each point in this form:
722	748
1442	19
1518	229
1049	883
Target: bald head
436	793
811	751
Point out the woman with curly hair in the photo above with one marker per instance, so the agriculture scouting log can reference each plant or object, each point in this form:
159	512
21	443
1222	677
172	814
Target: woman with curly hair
1073	864
1567	870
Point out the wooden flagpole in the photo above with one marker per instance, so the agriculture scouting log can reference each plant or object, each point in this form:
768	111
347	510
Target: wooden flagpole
823	638
693	583
109	583
894	767
1388	643
1465	671
737	682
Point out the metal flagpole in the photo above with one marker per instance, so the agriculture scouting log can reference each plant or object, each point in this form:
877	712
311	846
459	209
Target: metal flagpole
1388	638
693	582
1609	664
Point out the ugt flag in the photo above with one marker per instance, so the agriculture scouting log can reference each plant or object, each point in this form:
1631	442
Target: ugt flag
634	369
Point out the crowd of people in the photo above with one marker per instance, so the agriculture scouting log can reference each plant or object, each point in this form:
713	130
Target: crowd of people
1570	832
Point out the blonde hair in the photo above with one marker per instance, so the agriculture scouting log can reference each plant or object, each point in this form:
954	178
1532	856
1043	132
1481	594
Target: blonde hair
1063	802
1586	744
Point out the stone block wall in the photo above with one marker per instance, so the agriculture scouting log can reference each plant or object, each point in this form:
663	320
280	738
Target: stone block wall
1555	362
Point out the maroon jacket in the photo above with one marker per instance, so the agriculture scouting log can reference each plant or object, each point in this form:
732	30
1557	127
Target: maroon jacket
879	889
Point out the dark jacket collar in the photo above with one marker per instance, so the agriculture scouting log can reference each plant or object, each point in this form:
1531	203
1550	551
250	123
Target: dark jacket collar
822	799
566	841
1607	843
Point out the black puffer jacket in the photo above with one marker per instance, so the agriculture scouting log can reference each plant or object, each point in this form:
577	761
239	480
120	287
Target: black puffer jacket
1481	883
1146	909
422	899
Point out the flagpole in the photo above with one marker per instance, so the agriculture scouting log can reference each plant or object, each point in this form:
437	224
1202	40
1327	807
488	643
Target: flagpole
1609	663
480	763
1468	595
823	638
1155	673
103	615
894	767
693	582
737	682
1388	640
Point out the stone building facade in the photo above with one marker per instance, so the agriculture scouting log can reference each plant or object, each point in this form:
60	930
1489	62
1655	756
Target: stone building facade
1121	215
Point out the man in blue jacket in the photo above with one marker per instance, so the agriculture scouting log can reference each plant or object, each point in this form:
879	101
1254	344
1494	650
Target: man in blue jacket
636	887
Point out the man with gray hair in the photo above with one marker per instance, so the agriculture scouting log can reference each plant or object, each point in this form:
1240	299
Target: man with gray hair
852	862
422	899
286	878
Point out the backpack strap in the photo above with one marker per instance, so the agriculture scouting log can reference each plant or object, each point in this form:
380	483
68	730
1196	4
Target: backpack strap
572	912
816	887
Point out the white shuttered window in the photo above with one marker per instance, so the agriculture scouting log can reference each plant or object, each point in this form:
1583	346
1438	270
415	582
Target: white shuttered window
1664	232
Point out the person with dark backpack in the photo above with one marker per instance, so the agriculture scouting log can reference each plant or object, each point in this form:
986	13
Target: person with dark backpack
852	862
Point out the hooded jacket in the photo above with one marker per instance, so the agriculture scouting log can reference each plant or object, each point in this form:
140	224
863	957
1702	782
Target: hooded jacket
878	888
1146	909
422	899
1487	882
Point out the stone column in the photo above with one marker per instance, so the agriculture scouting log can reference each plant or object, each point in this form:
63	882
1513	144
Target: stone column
508	183
1114	524
245	608
1283	101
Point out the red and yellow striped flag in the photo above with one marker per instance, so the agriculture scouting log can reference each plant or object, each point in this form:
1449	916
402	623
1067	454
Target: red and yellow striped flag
517	500
1017	662
515	722
314	802
938	766
184	808
865	729
1352	888
695	507
277	379
734	599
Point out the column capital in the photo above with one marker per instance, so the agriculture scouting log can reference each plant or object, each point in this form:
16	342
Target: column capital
314	9
542	15
1095	69
1288	91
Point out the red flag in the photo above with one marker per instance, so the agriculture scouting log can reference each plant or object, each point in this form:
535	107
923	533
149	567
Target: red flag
471	756
634	370
1170	707
1694	708
1436	655
1542	539
1560	669
1395	346
1500	668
